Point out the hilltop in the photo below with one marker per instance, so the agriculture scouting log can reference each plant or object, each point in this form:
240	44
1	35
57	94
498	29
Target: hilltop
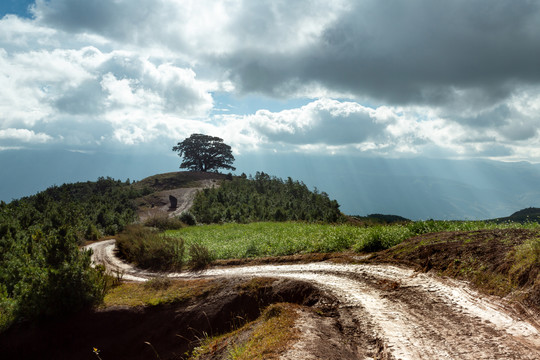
243	220
182	185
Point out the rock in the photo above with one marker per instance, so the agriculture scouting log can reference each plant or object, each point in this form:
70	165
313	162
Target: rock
174	202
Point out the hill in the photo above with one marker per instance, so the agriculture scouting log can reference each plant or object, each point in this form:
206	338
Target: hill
531	214
264	198
175	180
182	185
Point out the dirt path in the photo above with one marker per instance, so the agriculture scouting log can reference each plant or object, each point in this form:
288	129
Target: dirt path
158	203
413	315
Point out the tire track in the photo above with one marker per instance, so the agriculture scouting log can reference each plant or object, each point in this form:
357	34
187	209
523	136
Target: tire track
417	316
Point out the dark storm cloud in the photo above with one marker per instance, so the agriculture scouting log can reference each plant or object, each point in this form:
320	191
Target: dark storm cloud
414	51
128	21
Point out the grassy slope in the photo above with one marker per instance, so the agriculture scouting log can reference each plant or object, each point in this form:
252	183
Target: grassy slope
497	261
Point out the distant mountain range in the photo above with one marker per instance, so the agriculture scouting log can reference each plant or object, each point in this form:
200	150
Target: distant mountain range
416	188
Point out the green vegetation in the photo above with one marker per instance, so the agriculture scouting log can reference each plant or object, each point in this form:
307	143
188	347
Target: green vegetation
148	249
264	198
206	243
265	338
204	153
276	239
230	241
157	291
42	271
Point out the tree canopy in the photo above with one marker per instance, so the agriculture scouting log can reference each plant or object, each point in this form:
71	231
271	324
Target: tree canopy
263	198
204	153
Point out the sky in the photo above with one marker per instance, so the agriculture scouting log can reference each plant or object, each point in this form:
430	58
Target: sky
303	81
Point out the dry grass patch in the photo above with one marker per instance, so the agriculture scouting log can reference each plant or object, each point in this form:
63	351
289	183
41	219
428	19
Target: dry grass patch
266	338
158	291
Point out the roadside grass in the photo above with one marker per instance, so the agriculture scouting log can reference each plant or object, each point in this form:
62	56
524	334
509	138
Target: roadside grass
526	263
500	260
158	291
195	247
265	338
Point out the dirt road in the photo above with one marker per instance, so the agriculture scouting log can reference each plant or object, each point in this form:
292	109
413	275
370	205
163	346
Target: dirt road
158	203
414	315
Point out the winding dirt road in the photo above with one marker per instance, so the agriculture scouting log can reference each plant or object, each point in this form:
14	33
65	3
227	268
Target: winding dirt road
414	315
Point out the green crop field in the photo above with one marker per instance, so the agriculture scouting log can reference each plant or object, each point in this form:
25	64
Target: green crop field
233	240
269	238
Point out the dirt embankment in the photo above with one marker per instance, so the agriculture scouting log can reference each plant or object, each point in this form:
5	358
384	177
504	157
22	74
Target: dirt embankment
391	311
172	330
503	262
362	311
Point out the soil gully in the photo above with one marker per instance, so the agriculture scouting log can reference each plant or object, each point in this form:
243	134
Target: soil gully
172	330
392	312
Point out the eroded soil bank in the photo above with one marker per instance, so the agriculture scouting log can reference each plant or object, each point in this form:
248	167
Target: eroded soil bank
388	311
172	329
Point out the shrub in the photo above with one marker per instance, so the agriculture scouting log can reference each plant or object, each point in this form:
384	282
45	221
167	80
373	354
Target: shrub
199	257
163	222
149	249
188	218
92	233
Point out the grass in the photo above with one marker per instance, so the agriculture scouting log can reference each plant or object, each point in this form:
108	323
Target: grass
198	246
233	240
264	338
501	260
525	258
157	292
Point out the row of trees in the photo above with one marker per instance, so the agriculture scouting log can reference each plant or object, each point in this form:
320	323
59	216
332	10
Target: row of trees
263	198
42	271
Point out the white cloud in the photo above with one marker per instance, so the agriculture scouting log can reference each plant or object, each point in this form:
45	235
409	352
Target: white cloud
420	79
322	121
62	89
23	135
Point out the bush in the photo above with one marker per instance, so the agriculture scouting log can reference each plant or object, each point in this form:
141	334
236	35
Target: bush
58	282
188	218
149	249
163	222
428	226
92	233
199	257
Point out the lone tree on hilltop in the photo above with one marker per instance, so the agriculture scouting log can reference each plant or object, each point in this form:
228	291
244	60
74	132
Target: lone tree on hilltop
204	153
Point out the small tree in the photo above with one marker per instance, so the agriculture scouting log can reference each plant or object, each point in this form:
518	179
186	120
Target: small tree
204	153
